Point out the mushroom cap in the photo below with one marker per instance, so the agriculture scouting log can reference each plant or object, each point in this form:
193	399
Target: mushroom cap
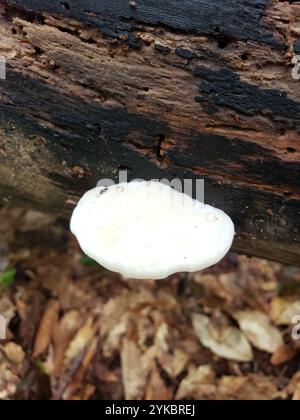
147	230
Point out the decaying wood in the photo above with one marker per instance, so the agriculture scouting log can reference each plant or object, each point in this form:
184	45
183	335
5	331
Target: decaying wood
163	89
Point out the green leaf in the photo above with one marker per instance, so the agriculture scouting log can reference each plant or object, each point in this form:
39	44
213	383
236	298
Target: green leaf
7	278
41	367
89	262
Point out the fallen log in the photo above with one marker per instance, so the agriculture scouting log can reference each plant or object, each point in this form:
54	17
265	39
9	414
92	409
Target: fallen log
190	89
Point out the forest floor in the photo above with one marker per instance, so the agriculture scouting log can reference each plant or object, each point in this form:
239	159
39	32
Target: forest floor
76	331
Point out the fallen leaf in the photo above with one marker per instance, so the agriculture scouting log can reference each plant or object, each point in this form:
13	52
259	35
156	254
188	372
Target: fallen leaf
113	340
7	309
283	355
225	341
247	388
112	312
81	340
284	310
293	389
149	359
161	338
173	361
9	380
88	392
67	328
79	375
14	353
157	389
258	329
47	325
173	364
35	301
134	376
200	384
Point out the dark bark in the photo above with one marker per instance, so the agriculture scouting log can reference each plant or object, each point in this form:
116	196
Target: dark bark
189	89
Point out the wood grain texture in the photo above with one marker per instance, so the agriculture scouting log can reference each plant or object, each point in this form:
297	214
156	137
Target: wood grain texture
191	89
237	19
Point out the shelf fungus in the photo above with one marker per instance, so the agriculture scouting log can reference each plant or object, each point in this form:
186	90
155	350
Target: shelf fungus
147	230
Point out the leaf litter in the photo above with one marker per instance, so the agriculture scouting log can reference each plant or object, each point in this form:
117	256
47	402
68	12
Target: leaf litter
78	332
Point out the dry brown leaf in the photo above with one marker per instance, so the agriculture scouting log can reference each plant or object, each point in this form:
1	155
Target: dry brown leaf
14	353
161	338
134	375
113	341
225	341
145	328
284	310
47	325
21	307
149	359
112	312
258	329
293	389
88	392
68	326
116	307
105	374
283	355
200	384
157	389
251	388
9	381
79	376
81	340
173	363
296	396
223	287
7	309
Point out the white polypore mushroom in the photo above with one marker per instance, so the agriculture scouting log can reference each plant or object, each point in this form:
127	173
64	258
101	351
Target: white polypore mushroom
147	230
